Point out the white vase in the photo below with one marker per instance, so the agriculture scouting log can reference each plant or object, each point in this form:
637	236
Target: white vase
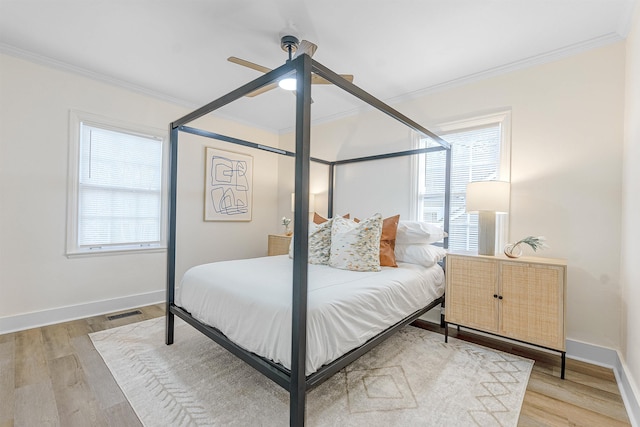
513	250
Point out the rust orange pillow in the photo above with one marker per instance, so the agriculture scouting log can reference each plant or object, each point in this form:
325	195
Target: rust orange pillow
318	219
388	241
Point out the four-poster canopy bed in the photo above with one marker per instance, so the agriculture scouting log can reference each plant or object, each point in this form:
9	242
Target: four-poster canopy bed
295	379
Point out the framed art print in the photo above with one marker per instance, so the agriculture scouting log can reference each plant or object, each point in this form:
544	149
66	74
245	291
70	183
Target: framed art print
228	189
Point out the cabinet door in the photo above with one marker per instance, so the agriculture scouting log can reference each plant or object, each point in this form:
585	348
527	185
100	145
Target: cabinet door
471	284
533	303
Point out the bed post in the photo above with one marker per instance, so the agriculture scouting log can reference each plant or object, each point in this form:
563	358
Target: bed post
171	238
447	196
332	182
298	389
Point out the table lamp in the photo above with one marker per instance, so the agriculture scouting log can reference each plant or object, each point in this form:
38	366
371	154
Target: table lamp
487	198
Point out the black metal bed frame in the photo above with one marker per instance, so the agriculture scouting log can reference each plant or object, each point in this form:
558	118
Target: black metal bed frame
293	380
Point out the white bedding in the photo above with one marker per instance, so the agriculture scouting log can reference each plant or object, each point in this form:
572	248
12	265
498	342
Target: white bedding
250	302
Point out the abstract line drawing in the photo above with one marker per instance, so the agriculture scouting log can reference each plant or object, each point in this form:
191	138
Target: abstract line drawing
228	186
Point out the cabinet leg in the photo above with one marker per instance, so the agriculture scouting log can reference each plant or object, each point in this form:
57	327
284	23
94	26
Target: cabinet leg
446	332
564	364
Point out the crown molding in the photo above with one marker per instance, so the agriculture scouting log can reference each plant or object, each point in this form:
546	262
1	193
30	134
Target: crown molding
531	61
545	58
63	66
626	18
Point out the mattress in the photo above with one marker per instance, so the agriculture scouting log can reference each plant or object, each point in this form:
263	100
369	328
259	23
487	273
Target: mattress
250	302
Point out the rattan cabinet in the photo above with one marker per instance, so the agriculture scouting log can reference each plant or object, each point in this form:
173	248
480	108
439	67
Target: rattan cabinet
521	299
278	244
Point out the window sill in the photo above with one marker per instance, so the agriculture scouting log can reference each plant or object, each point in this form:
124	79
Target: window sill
114	251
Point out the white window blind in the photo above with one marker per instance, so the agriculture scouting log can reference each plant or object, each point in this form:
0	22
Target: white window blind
116	188
120	183
476	156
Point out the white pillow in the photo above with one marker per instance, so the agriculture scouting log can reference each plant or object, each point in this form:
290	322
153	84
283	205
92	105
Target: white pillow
319	242
422	254
412	232
356	246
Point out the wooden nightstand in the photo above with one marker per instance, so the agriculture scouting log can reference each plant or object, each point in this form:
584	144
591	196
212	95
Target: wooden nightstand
522	299
278	244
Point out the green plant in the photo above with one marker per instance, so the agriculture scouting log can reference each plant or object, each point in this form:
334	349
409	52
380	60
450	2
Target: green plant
535	242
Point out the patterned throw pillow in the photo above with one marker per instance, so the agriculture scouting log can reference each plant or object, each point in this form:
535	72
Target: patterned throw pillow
387	240
356	246
319	243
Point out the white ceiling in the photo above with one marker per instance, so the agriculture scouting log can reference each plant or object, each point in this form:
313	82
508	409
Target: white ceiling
177	49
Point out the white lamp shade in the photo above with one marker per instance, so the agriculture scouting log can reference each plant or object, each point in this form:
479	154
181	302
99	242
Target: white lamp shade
312	202
488	196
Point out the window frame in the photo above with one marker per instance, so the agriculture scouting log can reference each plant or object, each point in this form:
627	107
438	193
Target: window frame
76	120
501	117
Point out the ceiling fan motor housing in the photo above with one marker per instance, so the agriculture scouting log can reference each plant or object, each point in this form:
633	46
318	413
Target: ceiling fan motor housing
289	43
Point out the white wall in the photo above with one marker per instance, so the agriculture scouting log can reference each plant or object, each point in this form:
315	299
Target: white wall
630	253
567	132
35	274
369	133
200	242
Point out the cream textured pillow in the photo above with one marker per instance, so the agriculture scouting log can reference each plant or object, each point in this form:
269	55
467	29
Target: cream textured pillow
356	246
319	242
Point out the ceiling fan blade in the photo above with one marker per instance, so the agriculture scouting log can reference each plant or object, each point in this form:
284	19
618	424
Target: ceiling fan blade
315	79
248	64
263	89
266	89
307	47
347	77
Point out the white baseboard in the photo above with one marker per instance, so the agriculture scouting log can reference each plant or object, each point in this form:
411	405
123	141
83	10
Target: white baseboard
64	314
610	359
630	394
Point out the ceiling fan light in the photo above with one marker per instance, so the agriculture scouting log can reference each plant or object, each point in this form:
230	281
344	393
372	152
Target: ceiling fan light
288	84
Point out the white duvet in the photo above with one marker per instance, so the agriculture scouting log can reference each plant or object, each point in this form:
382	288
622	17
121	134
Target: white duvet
250	302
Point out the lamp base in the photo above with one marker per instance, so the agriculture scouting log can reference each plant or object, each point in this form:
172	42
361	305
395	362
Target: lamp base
486	233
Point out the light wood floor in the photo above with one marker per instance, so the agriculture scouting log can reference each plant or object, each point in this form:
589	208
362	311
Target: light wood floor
53	376
588	396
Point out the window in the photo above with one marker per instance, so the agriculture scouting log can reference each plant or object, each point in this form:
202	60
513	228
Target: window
479	152
116	195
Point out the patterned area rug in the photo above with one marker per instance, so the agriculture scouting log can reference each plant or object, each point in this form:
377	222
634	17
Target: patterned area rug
413	378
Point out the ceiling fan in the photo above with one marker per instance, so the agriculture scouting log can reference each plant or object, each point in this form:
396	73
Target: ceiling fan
294	48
